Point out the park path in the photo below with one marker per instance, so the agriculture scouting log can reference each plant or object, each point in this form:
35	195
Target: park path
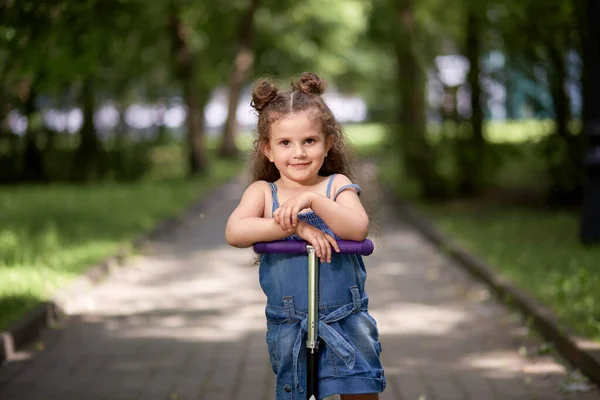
186	321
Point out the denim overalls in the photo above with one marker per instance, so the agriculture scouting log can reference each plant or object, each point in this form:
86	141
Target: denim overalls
349	353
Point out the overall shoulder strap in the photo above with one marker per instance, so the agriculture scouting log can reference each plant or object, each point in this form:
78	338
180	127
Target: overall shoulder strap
329	185
274	196
345	187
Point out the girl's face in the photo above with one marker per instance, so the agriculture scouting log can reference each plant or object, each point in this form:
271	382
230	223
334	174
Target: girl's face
297	147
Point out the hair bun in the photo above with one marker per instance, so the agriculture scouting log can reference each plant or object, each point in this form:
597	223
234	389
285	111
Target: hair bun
310	83
262	95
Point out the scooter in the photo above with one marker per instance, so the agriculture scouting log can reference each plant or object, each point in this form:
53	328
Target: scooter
364	248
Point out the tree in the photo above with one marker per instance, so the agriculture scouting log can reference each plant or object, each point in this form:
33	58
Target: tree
185	71
24	40
395	23
588	10
550	28
242	64
471	154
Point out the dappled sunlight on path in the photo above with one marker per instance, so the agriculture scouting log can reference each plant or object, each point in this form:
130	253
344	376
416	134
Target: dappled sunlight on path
186	321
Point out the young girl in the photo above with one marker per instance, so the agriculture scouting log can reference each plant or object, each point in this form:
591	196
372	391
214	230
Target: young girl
301	191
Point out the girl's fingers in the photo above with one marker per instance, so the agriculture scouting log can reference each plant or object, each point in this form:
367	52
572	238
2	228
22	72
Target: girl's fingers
278	217
284	220
324	245
321	249
333	243
294	217
289	219
327	250
317	245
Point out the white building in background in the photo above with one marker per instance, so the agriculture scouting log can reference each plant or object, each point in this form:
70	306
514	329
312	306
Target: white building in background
145	118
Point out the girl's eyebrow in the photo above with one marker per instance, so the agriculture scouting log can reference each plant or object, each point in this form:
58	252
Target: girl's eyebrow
279	138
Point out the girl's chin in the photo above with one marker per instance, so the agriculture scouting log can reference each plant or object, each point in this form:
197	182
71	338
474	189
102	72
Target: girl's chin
301	175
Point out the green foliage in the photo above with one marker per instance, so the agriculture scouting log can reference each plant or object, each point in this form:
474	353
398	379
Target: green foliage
295	37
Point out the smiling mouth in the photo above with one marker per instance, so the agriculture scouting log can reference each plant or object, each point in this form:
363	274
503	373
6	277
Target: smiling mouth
299	165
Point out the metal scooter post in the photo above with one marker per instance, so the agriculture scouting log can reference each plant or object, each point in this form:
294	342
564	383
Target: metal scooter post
312	342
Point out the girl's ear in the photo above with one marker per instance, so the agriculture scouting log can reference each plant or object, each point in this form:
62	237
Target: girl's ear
265	148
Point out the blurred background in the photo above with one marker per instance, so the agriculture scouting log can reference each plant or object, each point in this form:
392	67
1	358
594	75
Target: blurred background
117	113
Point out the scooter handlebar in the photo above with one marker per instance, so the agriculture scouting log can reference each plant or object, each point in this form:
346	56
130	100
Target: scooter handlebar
364	248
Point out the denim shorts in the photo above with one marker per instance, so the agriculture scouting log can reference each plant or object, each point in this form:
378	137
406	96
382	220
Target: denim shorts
349	349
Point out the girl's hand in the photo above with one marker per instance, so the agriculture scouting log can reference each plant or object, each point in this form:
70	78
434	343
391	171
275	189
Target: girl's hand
287	214
321	241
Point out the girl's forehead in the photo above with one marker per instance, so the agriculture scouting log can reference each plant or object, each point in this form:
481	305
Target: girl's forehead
295	124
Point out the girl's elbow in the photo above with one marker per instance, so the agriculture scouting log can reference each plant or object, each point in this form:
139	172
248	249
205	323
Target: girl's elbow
358	231
361	235
358	234
230	239
239	243
233	239
362	230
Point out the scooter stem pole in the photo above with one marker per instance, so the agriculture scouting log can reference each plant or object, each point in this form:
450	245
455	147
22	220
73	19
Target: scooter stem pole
312	342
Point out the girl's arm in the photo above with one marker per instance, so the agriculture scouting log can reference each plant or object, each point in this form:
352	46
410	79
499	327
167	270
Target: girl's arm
246	224
346	215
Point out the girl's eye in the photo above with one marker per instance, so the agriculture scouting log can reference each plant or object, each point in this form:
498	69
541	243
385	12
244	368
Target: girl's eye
310	141
284	142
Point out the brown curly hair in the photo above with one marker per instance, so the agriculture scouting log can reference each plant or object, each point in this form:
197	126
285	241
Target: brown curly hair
305	96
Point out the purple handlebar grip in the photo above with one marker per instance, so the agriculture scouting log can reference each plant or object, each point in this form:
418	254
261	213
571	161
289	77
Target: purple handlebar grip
364	248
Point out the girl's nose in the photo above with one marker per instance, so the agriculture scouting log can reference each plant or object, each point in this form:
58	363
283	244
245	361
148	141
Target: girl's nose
299	151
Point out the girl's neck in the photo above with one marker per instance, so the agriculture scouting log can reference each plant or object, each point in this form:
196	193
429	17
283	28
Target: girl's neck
291	184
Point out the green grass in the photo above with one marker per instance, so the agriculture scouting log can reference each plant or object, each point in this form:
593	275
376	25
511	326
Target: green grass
537	248
50	234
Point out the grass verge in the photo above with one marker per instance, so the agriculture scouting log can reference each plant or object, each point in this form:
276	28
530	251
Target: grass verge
50	234
537	248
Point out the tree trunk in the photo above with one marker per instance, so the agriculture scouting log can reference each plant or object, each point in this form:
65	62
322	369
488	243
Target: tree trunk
588	12
162	136
33	163
560	100
418	156
244	60
472	166
563	149
86	163
184	69
5	107
509	85
195	137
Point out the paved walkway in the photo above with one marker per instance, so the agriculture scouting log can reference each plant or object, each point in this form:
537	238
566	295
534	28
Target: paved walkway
186	322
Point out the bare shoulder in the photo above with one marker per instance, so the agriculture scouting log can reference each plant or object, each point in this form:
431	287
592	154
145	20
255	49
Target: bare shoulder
340	180
253	200
258	186
256	191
